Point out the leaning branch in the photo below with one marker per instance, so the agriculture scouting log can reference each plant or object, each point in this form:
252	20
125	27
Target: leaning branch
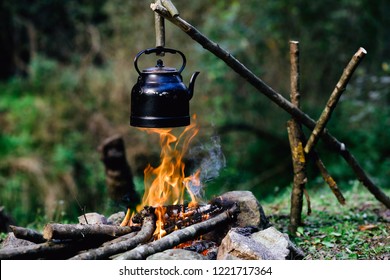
327	177
334	98
274	96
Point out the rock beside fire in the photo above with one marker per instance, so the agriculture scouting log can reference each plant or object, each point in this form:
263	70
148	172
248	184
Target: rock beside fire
116	218
274	241
239	247
251	237
92	218
251	212
268	244
12	242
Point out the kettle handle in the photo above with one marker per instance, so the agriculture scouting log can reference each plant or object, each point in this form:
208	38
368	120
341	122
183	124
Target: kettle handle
159	50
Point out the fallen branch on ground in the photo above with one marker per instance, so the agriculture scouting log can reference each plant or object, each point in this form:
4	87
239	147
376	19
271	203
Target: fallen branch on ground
80	231
104	252
47	250
28	234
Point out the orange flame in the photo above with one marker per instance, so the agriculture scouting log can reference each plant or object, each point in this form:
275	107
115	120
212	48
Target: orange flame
167	183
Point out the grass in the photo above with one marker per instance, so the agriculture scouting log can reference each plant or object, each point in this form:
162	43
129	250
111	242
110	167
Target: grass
357	230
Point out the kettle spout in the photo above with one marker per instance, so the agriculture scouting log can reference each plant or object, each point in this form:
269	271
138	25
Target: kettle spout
191	85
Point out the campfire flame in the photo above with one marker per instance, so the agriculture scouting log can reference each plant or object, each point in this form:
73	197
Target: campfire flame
167	183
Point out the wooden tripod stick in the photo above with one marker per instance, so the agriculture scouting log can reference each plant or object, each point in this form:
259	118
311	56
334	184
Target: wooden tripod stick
160	29
332	142
334	98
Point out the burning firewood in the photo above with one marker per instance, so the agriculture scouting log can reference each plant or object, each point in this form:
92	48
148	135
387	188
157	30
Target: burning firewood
179	236
207	248
180	216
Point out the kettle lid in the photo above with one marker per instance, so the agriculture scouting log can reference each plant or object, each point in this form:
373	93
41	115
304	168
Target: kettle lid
160	69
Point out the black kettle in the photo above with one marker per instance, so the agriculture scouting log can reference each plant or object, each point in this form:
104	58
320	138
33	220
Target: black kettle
160	98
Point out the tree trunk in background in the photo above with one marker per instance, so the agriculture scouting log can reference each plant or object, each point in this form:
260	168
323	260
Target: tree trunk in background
119	177
7	68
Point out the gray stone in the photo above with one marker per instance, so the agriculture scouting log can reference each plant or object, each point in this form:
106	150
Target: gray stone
92	218
274	241
177	254
116	218
12	242
251	212
237	246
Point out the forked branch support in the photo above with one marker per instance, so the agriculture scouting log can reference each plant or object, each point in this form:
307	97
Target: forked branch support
333	143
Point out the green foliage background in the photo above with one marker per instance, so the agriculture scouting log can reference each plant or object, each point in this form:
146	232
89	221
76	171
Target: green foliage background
72	74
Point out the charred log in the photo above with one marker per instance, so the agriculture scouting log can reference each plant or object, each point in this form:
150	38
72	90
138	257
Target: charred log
179	236
206	248
181	216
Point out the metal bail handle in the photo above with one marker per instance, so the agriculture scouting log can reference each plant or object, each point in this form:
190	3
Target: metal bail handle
157	51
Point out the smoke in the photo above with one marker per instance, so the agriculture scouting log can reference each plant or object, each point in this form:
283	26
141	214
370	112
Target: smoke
208	160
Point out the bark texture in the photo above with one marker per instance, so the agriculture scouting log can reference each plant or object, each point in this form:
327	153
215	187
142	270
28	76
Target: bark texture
79	231
28	234
296	139
104	252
